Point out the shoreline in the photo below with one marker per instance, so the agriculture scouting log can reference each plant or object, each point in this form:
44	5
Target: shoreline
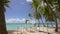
32	30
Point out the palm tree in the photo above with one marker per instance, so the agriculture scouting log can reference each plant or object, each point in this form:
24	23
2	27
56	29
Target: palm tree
48	15
51	5
2	17
54	9
35	6
54	14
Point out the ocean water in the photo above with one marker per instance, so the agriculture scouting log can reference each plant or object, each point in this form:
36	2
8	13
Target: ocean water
15	26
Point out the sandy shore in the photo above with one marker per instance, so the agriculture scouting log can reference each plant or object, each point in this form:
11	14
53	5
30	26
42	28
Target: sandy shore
34	30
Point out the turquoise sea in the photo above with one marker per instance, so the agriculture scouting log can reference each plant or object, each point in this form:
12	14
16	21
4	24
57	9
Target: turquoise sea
14	26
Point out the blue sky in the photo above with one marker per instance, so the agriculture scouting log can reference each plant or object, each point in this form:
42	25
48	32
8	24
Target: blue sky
18	10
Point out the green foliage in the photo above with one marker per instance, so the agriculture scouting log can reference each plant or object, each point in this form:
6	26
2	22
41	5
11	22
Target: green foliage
58	5
50	18
6	3
36	8
36	3
37	16
43	10
48	14
51	2
29	15
46	10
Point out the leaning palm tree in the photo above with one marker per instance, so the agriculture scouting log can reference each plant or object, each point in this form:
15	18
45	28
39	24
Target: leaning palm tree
3	3
48	14
35	6
51	5
36	10
54	9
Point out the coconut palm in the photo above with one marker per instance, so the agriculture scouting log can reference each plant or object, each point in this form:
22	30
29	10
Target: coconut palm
3	3
35	6
48	15
36	10
51	4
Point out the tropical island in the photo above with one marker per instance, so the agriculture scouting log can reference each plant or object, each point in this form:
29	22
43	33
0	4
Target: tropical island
43	17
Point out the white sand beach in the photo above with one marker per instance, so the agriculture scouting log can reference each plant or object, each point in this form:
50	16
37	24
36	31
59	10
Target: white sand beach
34	30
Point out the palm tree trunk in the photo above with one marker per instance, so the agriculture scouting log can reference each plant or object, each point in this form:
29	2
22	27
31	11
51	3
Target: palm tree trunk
42	22
56	29
2	19
39	24
2	24
51	24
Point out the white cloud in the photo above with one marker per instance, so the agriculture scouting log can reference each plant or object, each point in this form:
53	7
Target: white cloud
15	20
29	0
